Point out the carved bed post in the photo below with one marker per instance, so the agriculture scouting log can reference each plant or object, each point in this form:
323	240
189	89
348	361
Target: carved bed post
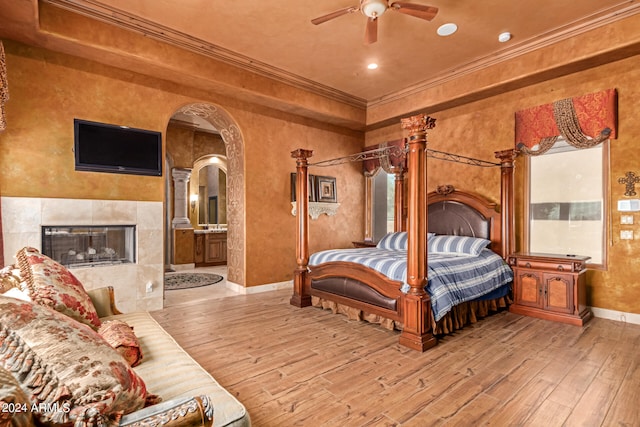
507	166
398	220
301	297
416	333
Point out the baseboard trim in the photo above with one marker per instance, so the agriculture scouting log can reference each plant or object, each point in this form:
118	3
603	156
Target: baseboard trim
182	267
619	316
262	288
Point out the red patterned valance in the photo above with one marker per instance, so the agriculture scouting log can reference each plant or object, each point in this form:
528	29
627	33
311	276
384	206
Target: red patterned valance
394	158
4	88
592	117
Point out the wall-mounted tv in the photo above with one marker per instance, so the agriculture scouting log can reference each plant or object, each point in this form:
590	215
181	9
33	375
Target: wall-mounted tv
101	147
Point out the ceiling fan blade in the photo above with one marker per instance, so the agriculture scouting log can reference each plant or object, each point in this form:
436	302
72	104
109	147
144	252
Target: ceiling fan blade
332	15
417	10
371	32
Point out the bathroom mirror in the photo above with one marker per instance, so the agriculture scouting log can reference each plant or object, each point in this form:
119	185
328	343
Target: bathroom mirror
212	196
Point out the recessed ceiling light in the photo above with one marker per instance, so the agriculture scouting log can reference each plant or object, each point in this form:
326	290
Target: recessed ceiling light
447	29
504	37
372	66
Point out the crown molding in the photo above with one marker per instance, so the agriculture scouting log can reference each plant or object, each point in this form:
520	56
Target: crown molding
96	10
551	37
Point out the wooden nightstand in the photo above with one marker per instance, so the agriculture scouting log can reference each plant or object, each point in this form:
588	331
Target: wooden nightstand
550	287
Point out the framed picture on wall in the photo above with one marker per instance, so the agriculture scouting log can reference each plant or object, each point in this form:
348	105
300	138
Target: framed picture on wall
326	189
311	189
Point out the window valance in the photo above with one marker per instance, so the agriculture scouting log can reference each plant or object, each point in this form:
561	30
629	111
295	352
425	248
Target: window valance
4	88
582	121
390	156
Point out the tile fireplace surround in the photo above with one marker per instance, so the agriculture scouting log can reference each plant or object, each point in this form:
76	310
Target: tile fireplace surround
23	217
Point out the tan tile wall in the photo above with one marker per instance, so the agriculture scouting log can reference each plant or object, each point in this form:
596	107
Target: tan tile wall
23	217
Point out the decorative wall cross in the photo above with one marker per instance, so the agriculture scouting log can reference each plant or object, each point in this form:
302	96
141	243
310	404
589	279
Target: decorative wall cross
630	180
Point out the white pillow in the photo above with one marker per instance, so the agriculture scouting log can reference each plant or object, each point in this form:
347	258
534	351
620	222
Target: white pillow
394	241
457	245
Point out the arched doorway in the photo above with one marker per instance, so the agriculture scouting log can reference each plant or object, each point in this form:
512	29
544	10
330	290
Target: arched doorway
228	129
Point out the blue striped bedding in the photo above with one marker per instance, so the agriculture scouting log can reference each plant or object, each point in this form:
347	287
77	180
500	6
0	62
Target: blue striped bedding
451	280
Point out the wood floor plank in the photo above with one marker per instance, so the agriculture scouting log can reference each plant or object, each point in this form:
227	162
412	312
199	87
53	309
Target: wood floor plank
292	366
550	414
573	385
522	404
624	409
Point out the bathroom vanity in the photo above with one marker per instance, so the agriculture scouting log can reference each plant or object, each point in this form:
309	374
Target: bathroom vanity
210	247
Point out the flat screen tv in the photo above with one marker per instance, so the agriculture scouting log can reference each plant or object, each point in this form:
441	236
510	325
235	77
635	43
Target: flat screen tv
101	147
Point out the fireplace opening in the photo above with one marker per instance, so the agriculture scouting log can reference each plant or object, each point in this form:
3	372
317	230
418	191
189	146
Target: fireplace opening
89	245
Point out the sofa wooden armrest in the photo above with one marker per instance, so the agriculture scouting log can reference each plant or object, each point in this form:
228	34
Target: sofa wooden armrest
104	301
184	412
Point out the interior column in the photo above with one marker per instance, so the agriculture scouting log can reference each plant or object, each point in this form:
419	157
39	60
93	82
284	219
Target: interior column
180	199
416	333
301	296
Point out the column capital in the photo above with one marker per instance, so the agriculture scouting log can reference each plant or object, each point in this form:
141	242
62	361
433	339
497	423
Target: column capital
418	124
181	174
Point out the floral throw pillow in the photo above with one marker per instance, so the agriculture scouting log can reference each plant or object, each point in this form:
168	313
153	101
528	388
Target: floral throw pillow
9	278
51	284
120	336
15	406
65	367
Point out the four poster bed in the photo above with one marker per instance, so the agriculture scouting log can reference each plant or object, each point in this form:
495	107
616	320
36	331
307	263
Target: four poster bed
466	237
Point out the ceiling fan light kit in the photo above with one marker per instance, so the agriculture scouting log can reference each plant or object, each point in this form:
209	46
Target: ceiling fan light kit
373	9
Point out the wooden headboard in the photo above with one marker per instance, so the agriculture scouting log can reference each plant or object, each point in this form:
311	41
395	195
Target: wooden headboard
458	213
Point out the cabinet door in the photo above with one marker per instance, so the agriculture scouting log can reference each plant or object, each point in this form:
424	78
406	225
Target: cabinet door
528	288
224	251
559	292
215	251
183	246
199	249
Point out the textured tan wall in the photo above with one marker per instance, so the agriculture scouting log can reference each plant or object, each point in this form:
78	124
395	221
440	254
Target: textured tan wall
49	89
480	128
270	225
180	146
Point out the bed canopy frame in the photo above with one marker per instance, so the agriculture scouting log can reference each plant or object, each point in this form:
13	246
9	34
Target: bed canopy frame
415	308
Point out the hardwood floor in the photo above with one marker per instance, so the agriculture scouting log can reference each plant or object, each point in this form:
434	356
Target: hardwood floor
308	367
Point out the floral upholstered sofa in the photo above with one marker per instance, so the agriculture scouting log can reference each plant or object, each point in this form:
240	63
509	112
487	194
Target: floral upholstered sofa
69	357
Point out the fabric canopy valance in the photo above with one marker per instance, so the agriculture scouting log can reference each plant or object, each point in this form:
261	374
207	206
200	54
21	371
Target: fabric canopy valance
583	122
390	156
4	88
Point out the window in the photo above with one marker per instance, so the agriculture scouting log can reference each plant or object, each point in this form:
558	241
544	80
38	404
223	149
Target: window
566	203
383	202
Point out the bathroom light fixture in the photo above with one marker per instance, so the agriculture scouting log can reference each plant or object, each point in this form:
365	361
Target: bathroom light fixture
372	66
194	200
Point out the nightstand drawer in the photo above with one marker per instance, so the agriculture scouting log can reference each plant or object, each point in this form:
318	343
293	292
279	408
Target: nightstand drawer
546	262
544	265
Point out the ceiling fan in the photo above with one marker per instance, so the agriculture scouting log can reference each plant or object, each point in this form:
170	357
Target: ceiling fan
373	9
